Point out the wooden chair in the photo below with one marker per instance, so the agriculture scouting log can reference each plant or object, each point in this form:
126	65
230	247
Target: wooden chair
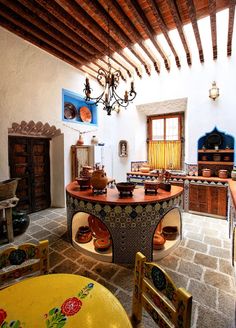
234	247
154	290
23	261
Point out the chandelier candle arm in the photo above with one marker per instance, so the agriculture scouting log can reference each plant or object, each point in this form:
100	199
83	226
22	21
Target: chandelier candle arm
109	79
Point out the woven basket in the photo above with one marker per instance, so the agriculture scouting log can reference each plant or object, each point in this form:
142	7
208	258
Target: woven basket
8	188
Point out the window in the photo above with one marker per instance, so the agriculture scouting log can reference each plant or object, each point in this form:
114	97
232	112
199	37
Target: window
164	136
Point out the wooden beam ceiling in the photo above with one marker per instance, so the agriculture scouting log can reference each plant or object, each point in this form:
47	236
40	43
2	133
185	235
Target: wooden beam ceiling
84	33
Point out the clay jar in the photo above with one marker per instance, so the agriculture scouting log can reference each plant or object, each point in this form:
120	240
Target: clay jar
223	174
206	173
86	172
99	179
83	235
80	141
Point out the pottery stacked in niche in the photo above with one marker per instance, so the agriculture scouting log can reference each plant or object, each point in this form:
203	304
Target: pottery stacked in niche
99	179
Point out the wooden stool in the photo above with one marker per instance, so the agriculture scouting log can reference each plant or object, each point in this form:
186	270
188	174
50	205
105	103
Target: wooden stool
6	207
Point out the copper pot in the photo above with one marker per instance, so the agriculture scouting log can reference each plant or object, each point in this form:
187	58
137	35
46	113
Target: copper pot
83	235
223	174
206	173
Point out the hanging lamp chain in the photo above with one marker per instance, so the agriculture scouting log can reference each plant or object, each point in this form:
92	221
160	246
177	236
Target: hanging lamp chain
109	98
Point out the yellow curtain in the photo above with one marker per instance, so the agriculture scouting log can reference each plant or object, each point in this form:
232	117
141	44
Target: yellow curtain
164	154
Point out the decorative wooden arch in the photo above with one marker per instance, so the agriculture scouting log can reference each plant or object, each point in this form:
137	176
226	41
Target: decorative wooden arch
32	129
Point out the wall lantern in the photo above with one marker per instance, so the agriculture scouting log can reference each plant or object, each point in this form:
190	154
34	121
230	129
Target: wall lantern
214	91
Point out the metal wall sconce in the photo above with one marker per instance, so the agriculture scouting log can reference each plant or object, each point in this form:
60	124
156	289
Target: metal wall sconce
214	91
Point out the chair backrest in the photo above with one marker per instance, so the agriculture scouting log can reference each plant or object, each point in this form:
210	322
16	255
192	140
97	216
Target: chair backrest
155	291
23	261
234	246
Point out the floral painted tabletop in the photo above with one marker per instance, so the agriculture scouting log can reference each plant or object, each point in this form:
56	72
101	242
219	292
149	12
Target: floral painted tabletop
60	300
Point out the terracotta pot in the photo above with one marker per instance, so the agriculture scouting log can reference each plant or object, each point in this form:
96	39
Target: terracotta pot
223	174
99	179
83	182
170	232
144	169
216	158
84	235
158	241
86	172
102	244
206	173
80	141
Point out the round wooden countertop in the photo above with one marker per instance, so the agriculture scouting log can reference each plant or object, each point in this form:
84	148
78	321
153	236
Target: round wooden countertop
113	197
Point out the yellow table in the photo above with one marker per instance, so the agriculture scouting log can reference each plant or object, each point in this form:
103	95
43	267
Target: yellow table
61	300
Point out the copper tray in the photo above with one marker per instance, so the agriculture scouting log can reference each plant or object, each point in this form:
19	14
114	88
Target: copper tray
85	114
69	111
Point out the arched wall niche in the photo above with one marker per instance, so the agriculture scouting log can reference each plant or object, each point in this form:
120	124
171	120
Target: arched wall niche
45	130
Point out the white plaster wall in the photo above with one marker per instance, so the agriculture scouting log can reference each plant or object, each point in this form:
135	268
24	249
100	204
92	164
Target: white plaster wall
193	83
31	89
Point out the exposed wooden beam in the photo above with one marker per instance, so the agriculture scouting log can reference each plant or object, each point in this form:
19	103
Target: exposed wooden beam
36	32
230	26
193	17
44	27
39	43
90	29
135	13
116	34
154	8
58	25
179	26
212	10
71	23
129	29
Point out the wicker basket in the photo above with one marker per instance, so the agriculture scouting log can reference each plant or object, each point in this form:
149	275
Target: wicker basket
8	188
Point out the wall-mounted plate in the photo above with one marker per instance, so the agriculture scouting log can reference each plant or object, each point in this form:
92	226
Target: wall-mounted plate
85	114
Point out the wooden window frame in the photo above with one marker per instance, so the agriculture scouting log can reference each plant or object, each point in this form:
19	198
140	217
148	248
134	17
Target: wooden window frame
165	116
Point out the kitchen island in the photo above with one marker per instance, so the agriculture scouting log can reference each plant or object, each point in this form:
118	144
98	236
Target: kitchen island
131	220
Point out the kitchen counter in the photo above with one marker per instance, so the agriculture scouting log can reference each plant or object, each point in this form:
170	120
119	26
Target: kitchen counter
180	176
131	221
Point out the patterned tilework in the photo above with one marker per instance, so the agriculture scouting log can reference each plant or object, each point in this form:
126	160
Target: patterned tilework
131	226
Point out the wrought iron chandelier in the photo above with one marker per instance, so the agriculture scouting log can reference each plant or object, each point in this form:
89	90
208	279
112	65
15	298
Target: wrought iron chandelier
109	98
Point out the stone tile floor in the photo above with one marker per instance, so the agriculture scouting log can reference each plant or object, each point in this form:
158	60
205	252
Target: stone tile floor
201	264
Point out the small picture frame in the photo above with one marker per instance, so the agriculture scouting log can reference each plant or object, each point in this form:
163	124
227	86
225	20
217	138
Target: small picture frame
123	148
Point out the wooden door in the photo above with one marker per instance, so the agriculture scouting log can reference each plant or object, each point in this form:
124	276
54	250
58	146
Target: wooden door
29	160
198	198
218	200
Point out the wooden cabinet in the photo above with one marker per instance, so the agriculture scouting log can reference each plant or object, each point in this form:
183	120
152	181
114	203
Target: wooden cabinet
208	199
29	160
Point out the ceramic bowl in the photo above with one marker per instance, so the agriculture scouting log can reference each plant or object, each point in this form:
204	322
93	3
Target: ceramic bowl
102	244
170	232
83	182
125	187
